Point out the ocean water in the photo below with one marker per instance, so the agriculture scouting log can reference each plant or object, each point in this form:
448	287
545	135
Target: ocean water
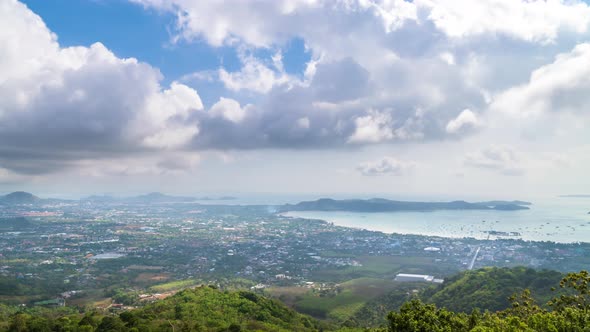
560	219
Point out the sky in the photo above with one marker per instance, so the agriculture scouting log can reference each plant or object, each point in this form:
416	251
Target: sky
400	98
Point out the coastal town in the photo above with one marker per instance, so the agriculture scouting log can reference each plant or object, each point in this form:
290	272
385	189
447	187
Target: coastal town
88	249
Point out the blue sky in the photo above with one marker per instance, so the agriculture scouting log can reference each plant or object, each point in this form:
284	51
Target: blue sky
402	97
131	31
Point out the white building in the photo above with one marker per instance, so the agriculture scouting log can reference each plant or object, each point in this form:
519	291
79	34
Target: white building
404	277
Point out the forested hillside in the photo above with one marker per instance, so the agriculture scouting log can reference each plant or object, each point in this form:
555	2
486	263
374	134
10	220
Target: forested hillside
490	288
209	309
198	309
484	289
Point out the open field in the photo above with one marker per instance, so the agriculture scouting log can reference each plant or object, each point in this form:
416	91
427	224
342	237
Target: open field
174	285
148	277
384	267
336	302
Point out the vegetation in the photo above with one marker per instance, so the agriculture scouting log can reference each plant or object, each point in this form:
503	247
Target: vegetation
198	309
484	289
490	288
207	308
570	313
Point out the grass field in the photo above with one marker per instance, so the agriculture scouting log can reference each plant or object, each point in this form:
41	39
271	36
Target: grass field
148	277
383	267
174	285
357	284
337	304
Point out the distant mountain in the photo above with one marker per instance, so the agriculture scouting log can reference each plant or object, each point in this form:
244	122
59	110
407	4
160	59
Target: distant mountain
385	205
220	198
575	196
496	203
156	197
19	197
99	198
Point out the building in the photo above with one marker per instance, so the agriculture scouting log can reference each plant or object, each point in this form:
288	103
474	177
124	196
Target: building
404	277
51	303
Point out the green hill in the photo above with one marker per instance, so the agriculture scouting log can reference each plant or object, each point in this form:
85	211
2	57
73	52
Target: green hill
485	289
212	309
199	309
209	309
490	288
19	197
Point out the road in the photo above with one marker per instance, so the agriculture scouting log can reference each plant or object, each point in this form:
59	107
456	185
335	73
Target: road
474	258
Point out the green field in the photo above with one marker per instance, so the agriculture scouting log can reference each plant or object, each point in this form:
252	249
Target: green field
384	267
355	285
174	285
337	302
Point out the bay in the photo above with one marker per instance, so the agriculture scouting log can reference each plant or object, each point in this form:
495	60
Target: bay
560	219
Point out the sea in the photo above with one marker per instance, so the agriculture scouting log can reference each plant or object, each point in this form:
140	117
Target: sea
559	219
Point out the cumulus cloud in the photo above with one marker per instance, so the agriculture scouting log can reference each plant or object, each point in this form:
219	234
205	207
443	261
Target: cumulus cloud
374	127
465	121
381	71
416	84
264	24
533	21
502	159
166	163
385	166
255	75
561	86
228	109
60	104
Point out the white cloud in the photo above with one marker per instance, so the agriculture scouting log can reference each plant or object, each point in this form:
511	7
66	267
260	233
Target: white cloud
465	121
228	109
168	163
533	21
60	104
385	166
255	76
448	57
303	122
561	86
374	127
263	24
502	159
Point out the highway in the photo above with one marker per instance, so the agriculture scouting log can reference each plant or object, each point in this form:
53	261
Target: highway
473	259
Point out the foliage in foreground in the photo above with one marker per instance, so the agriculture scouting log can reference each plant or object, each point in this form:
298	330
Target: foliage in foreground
208	309
571	313
198	309
485	289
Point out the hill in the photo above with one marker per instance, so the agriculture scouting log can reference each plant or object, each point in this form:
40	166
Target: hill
19	197
485	289
199	309
156	197
209	309
153	198
213	309
385	205
490	288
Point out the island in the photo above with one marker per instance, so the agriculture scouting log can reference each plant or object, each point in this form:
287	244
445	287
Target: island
385	205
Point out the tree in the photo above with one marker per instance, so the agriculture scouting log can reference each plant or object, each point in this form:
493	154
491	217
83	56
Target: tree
577	286
111	324
19	323
523	305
